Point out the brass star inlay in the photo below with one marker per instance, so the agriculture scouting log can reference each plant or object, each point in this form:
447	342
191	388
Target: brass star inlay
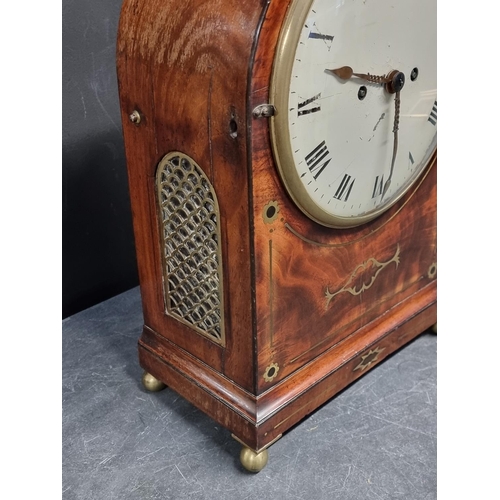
369	358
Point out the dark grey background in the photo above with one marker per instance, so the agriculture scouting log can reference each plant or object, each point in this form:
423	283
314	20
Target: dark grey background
98	245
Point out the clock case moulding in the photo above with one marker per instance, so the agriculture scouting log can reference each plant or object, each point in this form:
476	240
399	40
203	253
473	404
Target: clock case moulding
304	309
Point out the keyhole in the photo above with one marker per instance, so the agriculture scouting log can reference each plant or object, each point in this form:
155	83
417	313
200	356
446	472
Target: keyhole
233	128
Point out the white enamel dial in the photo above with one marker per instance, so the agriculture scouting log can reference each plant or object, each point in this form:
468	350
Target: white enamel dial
333	139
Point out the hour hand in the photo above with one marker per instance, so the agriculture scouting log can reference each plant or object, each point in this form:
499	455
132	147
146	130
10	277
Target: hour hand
393	82
346	73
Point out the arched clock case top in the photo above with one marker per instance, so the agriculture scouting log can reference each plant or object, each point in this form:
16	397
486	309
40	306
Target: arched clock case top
294	311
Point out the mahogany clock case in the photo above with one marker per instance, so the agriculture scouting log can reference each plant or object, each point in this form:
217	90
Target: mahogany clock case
304	309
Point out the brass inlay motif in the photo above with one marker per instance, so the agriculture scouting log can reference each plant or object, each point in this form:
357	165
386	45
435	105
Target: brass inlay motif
432	272
190	243
271	372
363	277
369	358
270	212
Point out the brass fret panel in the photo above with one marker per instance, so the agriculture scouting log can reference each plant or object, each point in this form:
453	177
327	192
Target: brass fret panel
190	240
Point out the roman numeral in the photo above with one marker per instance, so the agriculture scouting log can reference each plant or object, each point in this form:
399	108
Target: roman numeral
378	187
306	102
344	188
317	159
316	35
411	161
434	114
319	36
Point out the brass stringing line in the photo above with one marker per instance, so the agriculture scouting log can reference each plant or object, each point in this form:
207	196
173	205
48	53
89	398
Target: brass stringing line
338	245
271	290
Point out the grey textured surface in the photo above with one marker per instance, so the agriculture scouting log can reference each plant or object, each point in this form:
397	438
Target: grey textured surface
376	439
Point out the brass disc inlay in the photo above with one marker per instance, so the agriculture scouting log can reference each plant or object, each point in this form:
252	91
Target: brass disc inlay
270	212
431	274
271	372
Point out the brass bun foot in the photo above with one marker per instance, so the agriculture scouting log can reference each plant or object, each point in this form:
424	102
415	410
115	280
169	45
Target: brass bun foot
152	383
252	461
434	328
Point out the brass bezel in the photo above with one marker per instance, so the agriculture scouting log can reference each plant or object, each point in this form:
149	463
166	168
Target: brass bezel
279	128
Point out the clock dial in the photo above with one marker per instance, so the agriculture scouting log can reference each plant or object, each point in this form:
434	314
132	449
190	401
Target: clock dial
354	86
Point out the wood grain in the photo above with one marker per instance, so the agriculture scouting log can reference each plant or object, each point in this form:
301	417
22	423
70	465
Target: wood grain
184	67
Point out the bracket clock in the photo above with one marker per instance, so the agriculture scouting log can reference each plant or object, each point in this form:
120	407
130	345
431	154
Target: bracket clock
282	169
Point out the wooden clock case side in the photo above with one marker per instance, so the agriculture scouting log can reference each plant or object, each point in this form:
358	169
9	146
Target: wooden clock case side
183	70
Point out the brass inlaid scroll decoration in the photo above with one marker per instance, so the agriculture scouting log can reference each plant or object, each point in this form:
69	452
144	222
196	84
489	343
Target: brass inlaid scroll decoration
190	242
271	372
369	358
363	277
